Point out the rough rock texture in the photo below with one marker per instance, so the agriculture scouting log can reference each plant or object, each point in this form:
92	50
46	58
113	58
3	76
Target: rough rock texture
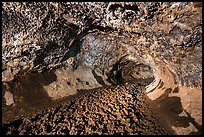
117	110
119	41
40	35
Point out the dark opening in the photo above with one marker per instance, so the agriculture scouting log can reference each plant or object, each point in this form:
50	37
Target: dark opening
78	79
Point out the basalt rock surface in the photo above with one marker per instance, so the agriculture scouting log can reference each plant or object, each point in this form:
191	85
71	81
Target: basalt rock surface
51	51
121	110
40	35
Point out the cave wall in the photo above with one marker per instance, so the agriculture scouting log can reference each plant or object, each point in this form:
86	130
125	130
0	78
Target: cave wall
167	36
